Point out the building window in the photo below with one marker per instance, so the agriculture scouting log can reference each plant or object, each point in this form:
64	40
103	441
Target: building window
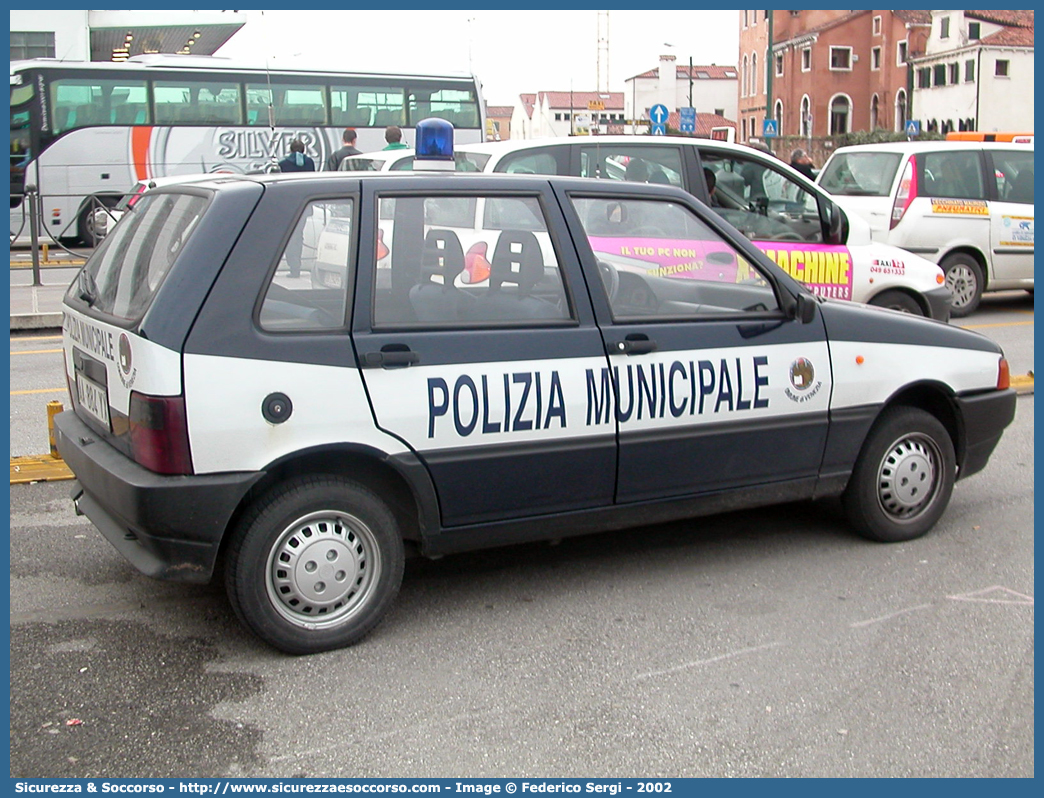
840	58
875	107
744	20
719	111
969	70
1000	69
840	115
778	116
779	65
877	26
558	117
754	74
924	78
32	44
900	110
955	73
939	75
974	31
806	59
900	53
944	28
806	116
875	58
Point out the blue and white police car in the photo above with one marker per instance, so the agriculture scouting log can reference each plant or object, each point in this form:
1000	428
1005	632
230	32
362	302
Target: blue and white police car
452	361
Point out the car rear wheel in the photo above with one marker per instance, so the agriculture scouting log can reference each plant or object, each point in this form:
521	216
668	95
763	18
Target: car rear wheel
964	278
315	564
903	478
897	300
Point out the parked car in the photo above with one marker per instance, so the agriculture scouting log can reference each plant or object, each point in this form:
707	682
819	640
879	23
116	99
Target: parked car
807	232
505	358
965	205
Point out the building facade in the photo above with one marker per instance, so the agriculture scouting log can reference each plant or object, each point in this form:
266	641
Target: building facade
567	113
710	89
976	72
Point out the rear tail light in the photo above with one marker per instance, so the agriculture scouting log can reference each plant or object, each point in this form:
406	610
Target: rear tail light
136	196
1003	375
159	433
907	191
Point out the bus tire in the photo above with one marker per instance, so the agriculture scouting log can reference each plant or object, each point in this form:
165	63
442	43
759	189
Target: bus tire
314	564
964	278
903	478
86	233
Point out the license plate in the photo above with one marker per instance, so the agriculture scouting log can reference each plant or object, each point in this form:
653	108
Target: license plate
93	398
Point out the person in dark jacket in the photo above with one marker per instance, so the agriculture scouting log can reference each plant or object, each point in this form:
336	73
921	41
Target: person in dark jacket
799	160
297	161
333	163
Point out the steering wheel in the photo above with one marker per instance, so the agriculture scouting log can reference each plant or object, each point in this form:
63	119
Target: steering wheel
610	279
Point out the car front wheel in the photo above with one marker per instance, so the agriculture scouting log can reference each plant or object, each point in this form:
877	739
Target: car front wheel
903	478
964	278
315	564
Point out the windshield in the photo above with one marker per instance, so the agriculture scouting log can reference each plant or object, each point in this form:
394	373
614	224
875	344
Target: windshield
860	174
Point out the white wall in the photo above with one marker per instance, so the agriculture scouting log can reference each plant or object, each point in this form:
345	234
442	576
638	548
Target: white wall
72	41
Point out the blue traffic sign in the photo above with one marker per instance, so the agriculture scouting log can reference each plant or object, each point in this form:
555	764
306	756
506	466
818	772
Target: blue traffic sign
658	114
659	130
770	128
913	128
687	120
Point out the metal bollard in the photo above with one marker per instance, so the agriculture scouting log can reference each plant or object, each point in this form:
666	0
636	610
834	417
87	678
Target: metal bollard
32	198
53	408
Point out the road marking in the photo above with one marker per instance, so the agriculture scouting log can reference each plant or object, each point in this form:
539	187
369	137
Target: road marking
859	624
999	324
37	352
39	338
1009	596
697	663
36	390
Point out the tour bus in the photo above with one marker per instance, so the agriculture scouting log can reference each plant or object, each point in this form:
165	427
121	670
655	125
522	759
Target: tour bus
84	133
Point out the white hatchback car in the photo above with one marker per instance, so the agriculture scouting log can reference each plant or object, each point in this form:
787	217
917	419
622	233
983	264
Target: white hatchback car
967	206
810	234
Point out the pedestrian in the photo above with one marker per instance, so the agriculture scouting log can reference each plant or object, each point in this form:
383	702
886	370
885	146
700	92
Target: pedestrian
297	161
333	163
393	135
799	160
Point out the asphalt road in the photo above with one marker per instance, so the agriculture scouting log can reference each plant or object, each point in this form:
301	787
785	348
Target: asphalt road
757	644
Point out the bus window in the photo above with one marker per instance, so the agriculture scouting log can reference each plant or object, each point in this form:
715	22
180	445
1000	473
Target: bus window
385	106
454	105
196	103
292	104
86	102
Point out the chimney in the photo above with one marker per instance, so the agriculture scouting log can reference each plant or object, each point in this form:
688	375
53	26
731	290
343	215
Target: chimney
667	92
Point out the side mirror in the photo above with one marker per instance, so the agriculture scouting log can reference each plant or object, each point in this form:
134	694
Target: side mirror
836	224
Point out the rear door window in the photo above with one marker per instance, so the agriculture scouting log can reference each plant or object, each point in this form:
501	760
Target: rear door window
860	174
128	268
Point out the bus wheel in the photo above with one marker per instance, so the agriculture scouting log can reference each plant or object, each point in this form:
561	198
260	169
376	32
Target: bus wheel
904	477
314	564
86	226
965	280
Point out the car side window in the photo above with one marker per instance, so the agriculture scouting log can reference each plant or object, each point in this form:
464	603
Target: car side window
761	202
955	173
657	260
308	289
1013	170
637	163
439	269
544	161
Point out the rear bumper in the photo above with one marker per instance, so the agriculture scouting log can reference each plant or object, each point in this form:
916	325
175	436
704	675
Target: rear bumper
168	527
985	418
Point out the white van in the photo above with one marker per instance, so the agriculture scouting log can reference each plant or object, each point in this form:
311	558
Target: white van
967	206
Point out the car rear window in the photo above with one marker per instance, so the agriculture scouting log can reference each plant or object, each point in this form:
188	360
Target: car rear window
122	277
860	174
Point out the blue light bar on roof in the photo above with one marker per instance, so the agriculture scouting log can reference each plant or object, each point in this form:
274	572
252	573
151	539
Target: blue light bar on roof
434	148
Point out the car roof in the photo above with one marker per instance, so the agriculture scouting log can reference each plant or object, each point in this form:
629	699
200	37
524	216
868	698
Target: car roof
924	146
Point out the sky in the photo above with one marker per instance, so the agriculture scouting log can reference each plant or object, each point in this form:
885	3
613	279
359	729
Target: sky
510	51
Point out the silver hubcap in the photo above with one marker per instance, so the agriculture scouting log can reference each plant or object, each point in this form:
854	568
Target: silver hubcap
322	569
960	279
908	478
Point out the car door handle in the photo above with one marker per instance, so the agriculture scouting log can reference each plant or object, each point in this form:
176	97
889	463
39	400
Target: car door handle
634	344
390	357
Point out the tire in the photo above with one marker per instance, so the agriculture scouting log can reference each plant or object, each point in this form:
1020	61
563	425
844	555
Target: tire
964	278
903	478
897	300
314	564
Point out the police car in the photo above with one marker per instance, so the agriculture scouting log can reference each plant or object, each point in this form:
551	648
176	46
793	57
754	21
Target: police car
504	358
817	238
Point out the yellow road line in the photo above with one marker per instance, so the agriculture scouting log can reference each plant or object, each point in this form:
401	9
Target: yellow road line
38	468
37	390
37	352
40	338
1000	324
